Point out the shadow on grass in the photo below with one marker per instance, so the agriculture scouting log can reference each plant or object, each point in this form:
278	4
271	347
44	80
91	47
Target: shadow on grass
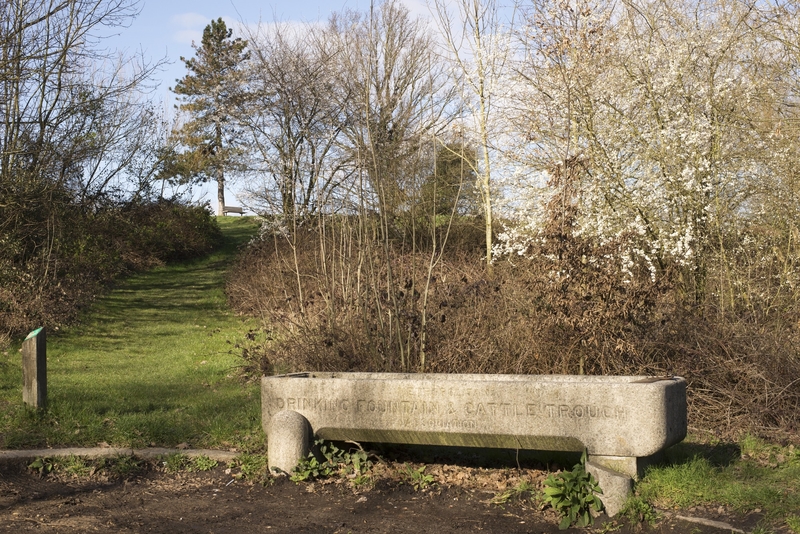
238	231
175	294
717	455
131	373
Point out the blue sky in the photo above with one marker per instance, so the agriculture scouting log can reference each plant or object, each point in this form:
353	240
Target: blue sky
166	29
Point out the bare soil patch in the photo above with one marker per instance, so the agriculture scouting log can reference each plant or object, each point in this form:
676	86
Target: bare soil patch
215	502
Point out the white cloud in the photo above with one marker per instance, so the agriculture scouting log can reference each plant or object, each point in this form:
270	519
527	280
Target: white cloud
187	37
188	27
190	20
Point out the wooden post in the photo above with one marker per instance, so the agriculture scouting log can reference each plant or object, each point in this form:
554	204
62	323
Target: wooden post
34	369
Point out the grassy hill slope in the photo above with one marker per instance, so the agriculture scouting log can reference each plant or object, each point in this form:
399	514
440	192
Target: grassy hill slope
151	363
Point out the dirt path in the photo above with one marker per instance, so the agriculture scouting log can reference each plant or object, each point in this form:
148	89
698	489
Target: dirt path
214	502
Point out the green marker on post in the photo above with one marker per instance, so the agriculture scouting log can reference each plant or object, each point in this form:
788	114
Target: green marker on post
34	333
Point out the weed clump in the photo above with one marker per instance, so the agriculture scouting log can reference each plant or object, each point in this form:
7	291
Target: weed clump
328	460
120	467
573	494
174	463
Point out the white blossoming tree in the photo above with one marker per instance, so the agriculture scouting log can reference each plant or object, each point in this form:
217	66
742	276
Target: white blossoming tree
670	110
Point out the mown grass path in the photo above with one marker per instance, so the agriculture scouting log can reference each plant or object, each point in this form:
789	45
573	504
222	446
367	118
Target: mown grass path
152	363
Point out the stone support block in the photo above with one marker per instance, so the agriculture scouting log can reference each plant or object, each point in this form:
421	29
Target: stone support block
632	466
616	487
289	440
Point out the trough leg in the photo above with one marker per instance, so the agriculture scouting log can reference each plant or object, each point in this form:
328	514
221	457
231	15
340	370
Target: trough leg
630	465
289	440
616	486
615	475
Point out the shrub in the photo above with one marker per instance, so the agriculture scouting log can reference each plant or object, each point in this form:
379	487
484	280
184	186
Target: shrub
573	494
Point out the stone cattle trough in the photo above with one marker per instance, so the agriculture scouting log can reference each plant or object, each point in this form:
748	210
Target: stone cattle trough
622	421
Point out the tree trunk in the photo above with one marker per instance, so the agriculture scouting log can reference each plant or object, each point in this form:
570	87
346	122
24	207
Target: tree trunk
220	191
220	173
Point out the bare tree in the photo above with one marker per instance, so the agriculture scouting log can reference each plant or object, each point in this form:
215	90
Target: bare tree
398	94
67	113
53	92
294	112
479	46
74	120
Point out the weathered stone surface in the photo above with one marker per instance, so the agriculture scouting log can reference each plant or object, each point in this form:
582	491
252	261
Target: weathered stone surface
34	369
609	416
289	440
616	487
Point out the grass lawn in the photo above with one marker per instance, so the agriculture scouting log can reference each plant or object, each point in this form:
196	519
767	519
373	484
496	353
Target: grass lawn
151	363
750	476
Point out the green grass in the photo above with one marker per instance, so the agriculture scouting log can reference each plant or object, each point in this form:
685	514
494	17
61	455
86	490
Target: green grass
754	475
179	462
152	362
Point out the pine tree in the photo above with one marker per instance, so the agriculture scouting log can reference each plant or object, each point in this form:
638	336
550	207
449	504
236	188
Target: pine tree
209	94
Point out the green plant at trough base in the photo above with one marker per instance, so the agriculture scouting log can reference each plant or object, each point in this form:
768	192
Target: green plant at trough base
78	466
175	462
43	465
638	510
116	467
252	466
333	461
124	466
180	462
573	494
311	468
202	463
418	479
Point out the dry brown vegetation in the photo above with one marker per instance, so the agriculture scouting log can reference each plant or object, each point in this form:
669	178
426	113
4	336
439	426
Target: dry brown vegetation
332	298
665	240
